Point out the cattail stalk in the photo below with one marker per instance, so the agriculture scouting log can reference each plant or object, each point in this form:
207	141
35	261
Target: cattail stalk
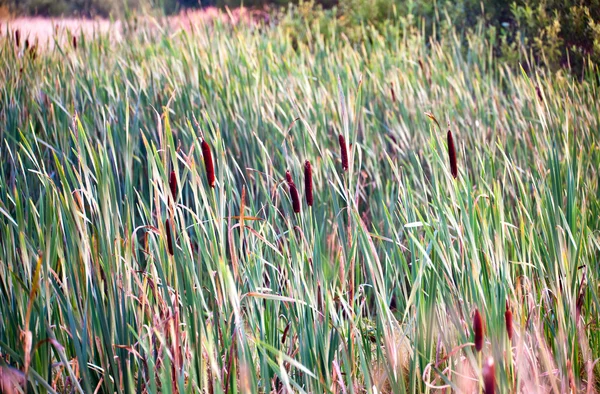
478	330
343	151
489	376
169	239
173	185
508	319
308	184
208	163
452	155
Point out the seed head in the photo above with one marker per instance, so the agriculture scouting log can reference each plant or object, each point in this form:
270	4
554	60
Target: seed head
489	376
208	163
478	330
343	152
18	38
508	319
173	185
168	235
293	192
74	42
308	185
452	155
288	177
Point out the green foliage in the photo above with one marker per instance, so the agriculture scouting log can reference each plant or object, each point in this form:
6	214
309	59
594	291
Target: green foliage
370	290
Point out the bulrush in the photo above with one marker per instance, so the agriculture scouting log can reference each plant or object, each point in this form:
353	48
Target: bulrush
169	239
343	152
508	319
173	185
18	38
489	376
308	185
393	93
478	330
452	155
208	163
293	192
74	42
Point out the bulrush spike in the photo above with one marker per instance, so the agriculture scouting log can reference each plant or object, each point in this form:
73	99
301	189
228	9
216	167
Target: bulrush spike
452	155
308	185
169	239
489	376
293	192
74	42
18	38
393	93
508	319
343	151
208	163
478	330
173	185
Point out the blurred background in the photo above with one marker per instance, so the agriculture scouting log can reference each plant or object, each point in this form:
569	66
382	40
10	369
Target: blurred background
558	33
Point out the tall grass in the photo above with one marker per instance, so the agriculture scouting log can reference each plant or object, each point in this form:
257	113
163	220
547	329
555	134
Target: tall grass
373	289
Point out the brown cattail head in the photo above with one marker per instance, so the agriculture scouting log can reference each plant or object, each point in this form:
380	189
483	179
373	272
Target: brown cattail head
539	94
26	44
393	93
508	319
74	42
308	185
343	152
489	376
478	330
18	38
288	177
295	197
452	155
208	163
173	184
169	238
78	200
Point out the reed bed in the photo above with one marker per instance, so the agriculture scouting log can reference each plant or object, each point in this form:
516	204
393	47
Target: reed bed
149	245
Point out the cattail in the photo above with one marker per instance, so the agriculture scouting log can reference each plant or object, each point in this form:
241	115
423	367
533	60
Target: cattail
508	319
393	93
478	330
308	185
489	376
208	163
293	192
26	44
344	152
539	94
452	155
78	201
74	42
18	38
173	185
169	240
